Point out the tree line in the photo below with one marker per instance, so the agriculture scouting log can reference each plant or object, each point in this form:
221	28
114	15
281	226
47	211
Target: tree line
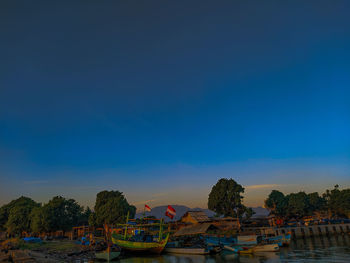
111	207
335	203
26	215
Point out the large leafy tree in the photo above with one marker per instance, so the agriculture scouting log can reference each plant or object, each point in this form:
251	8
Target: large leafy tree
111	207
338	201
84	217
316	202
18	220
37	221
298	205
14	217
58	214
226	197
277	203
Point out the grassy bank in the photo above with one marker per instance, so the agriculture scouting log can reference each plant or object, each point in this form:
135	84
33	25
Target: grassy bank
61	246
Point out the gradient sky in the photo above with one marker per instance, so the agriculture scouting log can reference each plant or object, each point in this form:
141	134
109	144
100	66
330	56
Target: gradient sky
160	99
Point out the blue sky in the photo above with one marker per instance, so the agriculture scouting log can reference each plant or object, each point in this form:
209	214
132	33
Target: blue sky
160	99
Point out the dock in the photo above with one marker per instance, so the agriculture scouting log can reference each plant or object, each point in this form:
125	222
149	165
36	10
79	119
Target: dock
303	231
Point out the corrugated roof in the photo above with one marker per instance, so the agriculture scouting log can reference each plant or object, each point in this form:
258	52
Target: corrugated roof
199	216
195	229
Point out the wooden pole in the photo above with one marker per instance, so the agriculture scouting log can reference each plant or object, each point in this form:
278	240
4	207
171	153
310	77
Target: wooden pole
126	227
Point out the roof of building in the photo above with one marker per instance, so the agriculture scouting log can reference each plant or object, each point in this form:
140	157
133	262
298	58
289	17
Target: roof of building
199	216
195	229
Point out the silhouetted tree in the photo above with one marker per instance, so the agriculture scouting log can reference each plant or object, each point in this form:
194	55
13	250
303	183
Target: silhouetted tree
18	215
338	202
277	203
225	199
111	207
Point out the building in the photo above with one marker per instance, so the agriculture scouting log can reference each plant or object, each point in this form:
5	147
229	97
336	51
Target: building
196	229
226	223
195	217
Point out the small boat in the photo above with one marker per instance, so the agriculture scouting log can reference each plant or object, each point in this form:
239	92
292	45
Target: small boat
248	240
233	249
111	252
266	248
246	251
281	240
141	243
152	247
186	250
107	255
220	241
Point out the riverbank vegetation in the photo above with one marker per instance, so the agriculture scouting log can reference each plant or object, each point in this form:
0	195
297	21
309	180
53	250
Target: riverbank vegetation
25	215
335	203
111	207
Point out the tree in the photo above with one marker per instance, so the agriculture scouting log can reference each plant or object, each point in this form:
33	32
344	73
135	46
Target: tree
59	214
316	202
277	203
338	201
225	198
37	220
15	215
92	219
84	218
111	207
298	205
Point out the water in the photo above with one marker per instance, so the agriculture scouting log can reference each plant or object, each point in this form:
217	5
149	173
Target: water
321	249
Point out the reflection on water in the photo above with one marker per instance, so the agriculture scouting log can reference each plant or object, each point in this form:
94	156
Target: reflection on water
320	249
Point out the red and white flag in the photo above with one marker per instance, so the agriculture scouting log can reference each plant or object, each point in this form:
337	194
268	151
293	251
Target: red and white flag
170	212
147	208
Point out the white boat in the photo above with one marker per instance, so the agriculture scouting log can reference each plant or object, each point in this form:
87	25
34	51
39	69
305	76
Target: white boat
186	250
266	248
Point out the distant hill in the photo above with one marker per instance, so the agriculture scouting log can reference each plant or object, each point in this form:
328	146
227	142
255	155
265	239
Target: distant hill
260	211
159	212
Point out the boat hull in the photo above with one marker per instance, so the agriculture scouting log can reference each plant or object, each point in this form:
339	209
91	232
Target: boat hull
107	256
134	246
266	248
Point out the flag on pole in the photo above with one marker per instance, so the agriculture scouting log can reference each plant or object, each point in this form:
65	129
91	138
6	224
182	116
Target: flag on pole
170	212
147	208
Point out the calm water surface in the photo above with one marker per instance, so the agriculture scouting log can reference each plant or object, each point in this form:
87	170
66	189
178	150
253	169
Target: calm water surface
325	249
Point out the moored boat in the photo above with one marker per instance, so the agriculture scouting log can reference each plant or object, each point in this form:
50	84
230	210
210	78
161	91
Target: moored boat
281	240
220	241
141	242
106	255
137	246
233	249
111	252
246	251
266	248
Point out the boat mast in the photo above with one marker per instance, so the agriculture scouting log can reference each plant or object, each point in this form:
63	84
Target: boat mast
126	226
160	230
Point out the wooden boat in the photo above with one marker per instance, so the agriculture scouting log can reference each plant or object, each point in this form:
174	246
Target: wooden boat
260	248
220	241
233	249
138	243
186	250
107	255
281	240
246	251
248	240
111	252
137	246
266	248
